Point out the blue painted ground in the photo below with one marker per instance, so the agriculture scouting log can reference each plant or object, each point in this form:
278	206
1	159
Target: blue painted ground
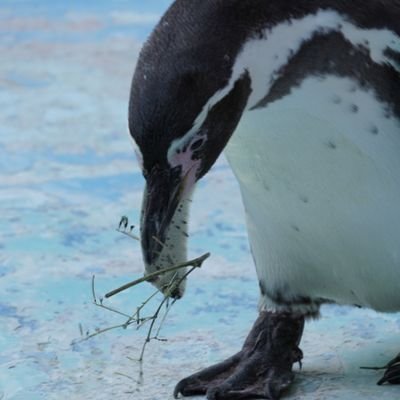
67	174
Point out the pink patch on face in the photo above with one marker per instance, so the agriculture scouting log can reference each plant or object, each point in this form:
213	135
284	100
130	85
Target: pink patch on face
189	167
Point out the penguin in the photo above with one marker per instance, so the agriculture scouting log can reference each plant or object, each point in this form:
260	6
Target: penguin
304	98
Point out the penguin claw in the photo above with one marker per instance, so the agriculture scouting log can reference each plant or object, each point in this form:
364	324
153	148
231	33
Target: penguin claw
392	373
268	388
180	388
218	393
261	370
277	383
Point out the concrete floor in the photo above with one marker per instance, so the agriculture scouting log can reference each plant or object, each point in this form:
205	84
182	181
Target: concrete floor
67	174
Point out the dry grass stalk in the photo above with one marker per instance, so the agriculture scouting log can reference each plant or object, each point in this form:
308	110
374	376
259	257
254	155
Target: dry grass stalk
136	318
195	263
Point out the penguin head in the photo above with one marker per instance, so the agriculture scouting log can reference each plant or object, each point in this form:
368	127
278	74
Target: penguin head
183	109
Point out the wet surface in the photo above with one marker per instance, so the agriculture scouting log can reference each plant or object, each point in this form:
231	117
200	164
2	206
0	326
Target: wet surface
67	174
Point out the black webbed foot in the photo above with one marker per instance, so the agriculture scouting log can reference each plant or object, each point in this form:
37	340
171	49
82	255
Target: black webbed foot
262	369
392	373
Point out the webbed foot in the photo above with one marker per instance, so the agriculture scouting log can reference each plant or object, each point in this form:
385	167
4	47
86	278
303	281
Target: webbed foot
262	369
392	373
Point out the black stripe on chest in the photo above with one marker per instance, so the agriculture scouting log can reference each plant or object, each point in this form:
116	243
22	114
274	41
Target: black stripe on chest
332	54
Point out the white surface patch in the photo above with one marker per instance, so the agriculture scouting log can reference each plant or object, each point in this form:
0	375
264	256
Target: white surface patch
322	194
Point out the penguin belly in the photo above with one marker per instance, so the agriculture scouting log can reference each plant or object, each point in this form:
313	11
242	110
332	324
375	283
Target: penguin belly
319	173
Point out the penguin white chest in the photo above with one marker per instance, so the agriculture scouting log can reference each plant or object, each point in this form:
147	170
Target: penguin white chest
319	173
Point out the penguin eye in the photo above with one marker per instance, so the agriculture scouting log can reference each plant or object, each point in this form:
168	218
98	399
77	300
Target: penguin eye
197	144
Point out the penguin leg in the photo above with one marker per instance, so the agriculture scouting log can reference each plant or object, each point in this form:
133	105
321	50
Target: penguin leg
261	369
392	373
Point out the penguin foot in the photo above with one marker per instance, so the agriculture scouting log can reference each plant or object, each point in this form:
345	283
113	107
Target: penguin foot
262	369
392	373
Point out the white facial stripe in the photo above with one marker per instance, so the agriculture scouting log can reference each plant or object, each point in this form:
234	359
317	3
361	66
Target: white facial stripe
181	152
283	41
376	40
280	44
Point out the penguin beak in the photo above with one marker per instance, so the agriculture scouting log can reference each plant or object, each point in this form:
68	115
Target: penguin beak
161	198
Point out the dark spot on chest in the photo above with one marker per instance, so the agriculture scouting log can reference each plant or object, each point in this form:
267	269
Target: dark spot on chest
336	99
354	108
332	145
374	130
304	199
296	228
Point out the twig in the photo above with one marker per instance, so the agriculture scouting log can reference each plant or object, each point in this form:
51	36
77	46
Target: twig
196	263
131	235
148	338
156	239
112	310
167	291
93	290
131	318
374	368
100	331
168	308
100	303
171	288
125	376
136	316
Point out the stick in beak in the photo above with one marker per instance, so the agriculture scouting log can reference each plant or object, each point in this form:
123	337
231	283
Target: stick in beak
164	225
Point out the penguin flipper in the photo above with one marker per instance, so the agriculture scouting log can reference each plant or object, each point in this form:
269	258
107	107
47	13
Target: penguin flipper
261	370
